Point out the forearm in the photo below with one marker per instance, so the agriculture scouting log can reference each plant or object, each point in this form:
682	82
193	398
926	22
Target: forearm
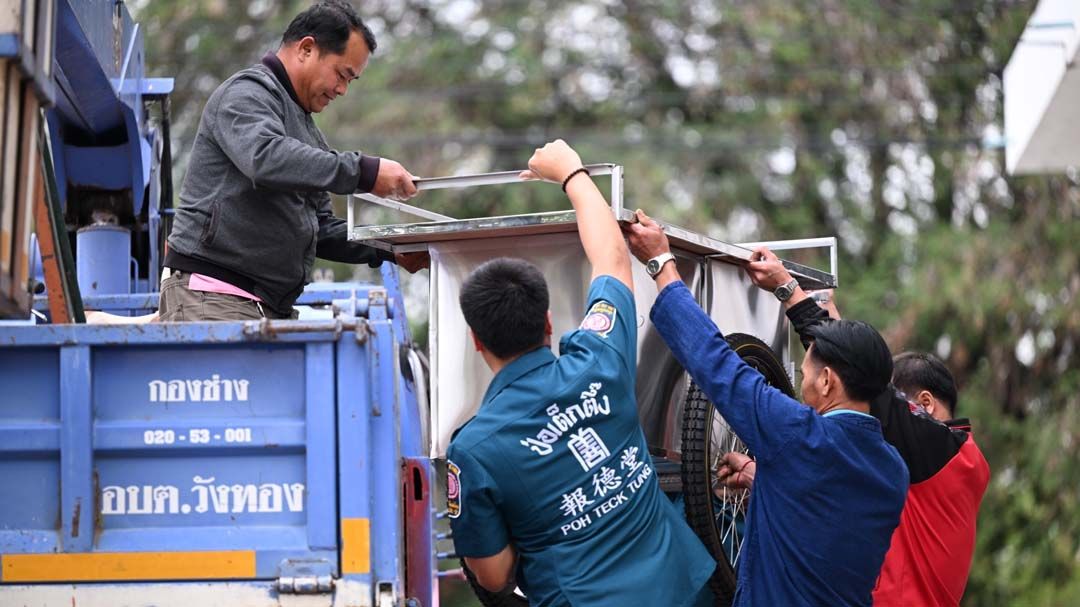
733	387
249	128
804	315
796	296
285	163
599	231
692	337
495	573
668	274
334	245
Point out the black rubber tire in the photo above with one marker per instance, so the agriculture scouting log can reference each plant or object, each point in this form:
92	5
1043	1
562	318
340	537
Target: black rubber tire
697	475
491	599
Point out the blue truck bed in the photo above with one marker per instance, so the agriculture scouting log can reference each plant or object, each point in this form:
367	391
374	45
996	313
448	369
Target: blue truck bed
271	458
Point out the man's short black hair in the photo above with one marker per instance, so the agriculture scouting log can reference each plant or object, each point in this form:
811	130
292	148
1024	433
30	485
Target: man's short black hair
505	303
857	353
330	23
915	371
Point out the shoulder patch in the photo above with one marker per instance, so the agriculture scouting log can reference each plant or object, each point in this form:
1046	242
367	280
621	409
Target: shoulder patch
453	490
600	319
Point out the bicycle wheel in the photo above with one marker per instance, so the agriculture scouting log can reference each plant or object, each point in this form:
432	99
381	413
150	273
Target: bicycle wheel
716	513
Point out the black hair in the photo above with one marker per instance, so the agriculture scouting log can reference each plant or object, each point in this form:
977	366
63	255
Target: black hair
329	22
857	353
915	371
505	303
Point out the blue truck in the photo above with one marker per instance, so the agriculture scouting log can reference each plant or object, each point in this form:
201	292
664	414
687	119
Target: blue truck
273	462
189	463
260	459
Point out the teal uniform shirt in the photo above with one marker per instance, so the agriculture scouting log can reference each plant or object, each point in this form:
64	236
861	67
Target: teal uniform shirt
555	463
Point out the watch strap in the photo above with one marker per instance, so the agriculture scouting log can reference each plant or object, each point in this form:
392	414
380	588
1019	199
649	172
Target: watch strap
658	263
786	290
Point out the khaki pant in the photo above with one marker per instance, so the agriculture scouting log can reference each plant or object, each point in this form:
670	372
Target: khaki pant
178	303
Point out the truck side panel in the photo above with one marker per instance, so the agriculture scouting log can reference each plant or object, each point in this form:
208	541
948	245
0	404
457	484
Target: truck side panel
249	459
175	462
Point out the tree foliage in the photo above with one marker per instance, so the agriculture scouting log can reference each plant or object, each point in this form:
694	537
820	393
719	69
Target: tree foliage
878	121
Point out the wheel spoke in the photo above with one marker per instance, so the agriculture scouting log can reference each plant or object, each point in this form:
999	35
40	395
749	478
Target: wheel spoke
731	507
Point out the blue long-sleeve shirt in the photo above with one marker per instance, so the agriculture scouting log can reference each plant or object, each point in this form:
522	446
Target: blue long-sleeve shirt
828	490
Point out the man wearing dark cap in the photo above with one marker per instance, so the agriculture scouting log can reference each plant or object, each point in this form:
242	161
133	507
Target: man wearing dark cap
828	489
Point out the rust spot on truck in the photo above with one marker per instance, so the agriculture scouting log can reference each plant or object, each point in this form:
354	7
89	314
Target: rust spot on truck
75	518
99	521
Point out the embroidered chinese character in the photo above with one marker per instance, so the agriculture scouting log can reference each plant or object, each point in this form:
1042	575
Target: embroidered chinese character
629	460
587	447
605	481
574	503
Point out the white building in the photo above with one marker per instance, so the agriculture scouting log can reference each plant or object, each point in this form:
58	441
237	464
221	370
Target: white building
1042	92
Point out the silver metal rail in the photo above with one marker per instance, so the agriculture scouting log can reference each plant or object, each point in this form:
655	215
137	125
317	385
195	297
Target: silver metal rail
404	238
500	177
414	236
804	243
392	204
479	179
809	278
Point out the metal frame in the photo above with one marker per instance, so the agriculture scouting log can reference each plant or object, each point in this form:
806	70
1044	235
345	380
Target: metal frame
804	243
478	179
338	293
441	225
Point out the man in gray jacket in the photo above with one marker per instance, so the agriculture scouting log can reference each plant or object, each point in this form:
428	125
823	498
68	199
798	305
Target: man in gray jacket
255	207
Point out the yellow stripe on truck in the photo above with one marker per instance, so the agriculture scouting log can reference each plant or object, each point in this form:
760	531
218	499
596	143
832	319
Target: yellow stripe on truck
102	566
355	545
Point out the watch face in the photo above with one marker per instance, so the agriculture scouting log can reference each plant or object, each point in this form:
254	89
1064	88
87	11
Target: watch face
783	292
652	267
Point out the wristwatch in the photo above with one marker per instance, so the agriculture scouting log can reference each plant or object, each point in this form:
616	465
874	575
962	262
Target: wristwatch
786	290
654	265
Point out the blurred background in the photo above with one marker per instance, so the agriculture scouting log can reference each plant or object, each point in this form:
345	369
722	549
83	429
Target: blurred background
876	121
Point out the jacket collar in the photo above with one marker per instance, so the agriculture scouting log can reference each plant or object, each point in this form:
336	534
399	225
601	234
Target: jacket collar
519	366
276	67
960	423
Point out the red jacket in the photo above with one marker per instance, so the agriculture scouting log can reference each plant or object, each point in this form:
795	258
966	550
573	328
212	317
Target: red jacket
930	556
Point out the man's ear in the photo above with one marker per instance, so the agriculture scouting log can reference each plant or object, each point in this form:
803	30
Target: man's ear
476	341
826	381
927	400
305	48
547	324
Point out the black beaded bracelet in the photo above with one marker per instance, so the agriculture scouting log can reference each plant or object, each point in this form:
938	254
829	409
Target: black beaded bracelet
571	176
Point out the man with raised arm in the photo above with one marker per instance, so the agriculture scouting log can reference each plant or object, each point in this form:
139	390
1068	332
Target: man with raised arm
828	489
551	486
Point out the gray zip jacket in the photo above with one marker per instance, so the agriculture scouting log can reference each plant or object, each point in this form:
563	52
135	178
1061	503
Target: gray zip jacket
254	208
